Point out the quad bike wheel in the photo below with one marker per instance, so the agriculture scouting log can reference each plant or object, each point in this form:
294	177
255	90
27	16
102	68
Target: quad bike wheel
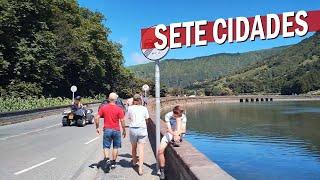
81	122
65	122
91	119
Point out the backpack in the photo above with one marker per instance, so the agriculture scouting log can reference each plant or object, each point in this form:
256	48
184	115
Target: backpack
120	104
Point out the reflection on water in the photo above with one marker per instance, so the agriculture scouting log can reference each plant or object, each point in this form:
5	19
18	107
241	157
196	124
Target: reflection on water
275	140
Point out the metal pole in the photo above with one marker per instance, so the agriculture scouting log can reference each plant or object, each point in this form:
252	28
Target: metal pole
72	97
157	85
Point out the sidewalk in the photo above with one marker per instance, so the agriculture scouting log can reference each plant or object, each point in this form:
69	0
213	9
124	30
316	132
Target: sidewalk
124	171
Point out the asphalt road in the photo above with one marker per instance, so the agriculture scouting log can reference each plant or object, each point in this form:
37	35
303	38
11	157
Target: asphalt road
43	149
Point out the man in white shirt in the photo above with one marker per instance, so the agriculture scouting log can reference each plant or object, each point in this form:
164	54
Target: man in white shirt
137	116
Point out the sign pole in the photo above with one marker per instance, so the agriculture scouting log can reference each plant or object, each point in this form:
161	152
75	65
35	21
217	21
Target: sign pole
155	55
73	90
157	86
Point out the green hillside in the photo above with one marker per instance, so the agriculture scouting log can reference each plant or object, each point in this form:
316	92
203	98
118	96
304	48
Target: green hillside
186	72
295	70
47	46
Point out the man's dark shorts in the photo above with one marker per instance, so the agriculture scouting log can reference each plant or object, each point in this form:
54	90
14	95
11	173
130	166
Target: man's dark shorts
111	136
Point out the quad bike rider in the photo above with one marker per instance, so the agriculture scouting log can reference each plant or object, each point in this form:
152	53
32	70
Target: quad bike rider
78	114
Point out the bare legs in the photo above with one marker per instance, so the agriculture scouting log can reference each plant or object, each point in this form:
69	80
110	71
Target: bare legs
141	156
134	153
161	158
114	153
140	146
106	153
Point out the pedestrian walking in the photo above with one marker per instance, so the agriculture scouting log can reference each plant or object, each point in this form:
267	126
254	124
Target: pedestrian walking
113	115
137	116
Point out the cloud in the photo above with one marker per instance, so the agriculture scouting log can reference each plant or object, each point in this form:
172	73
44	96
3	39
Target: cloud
123	41
139	58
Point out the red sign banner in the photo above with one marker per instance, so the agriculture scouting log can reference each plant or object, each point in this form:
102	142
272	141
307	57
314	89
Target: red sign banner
231	30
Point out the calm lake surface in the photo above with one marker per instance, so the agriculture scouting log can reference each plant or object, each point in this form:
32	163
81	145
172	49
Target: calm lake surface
270	140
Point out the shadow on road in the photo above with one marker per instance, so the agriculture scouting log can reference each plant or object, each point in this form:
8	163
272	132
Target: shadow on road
101	165
125	164
128	164
127	155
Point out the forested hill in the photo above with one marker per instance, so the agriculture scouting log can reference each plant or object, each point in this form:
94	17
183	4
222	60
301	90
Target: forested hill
295	70
46	46
185	72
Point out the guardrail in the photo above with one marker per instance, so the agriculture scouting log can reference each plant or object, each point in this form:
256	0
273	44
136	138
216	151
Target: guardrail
13	117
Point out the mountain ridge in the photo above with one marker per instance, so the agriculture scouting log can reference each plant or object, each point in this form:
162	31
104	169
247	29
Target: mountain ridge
296	70
185	72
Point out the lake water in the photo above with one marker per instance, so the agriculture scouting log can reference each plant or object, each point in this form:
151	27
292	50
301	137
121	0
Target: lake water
270	140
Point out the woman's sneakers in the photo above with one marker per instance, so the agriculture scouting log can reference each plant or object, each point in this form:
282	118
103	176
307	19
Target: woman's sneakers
134	164
113	164
140	172
162	175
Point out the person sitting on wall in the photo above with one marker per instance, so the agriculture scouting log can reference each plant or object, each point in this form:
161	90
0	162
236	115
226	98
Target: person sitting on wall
175	121
170	117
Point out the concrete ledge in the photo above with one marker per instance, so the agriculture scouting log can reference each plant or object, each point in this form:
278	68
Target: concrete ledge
184	162
7	118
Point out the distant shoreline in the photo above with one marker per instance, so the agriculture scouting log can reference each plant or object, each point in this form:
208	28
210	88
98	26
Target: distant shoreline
167	102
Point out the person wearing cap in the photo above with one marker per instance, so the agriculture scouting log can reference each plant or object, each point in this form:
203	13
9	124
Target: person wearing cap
137	116
112	115
78	107
77	103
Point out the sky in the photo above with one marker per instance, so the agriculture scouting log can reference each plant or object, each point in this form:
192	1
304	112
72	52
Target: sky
126	18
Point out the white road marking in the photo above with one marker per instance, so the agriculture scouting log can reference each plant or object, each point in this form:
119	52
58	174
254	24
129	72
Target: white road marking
36	130
92	140
32	167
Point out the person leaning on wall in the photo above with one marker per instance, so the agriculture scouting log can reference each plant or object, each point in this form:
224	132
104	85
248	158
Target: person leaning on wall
176	127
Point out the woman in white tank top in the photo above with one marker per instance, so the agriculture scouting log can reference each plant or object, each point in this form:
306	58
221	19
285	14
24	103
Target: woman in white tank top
137	116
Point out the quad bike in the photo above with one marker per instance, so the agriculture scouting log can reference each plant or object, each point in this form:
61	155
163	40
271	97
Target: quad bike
79	117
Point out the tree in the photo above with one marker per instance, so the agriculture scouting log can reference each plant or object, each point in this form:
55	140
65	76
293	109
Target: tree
46	46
